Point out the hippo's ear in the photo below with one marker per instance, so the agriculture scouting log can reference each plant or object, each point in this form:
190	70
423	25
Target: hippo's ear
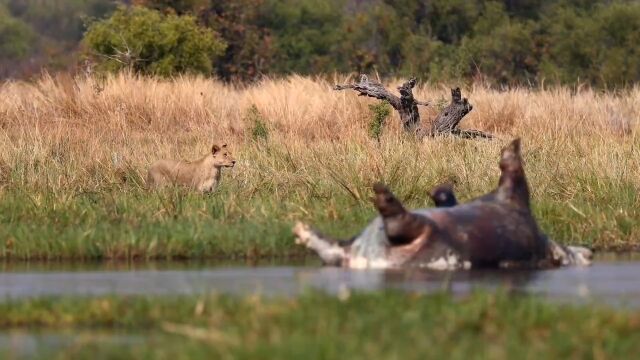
511	157
514	146
215	148
443	195
380	188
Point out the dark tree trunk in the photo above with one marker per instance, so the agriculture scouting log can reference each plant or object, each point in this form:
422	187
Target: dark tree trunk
407	106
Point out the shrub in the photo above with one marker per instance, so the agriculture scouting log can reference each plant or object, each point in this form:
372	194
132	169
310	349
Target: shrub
381	112
149	42
16	37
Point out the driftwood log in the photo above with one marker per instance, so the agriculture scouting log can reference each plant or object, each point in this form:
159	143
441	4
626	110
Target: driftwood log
407	106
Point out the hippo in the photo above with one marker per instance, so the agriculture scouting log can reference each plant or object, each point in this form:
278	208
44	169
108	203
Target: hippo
495	230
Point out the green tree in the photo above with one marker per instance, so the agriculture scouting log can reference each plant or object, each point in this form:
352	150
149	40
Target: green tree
598	45
250	43
305	34
239	22
180	7
150	42
499	48
59	19
16	37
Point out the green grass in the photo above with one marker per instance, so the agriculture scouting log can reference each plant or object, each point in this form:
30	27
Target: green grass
128	222
68	213
134	223
360	326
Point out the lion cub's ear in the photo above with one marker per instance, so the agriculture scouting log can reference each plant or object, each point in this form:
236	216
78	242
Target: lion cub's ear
215	149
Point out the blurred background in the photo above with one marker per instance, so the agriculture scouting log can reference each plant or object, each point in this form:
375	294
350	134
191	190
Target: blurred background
498	43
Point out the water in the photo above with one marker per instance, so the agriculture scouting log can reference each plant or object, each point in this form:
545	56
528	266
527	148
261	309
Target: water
610	280
23	344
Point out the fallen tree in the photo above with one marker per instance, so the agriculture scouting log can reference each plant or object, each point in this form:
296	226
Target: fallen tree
407	107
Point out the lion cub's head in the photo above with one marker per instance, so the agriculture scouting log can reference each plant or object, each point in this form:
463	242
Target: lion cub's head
221	156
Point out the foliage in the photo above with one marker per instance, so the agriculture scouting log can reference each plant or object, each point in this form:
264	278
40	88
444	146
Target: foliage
599	47
381	112
61	20
241	23
180	7
46	32
305	33
148	42
249	53
500	42
259	130
16	37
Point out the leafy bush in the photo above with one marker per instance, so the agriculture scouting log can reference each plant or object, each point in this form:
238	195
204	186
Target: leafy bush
16	37
149	42
381	112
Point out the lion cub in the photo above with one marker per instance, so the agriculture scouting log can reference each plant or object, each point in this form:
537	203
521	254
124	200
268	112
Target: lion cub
202	175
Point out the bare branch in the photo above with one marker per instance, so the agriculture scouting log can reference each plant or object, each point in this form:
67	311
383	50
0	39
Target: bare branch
371	89
406	104
471	134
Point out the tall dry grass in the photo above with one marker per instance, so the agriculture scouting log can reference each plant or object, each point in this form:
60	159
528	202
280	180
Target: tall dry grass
582	148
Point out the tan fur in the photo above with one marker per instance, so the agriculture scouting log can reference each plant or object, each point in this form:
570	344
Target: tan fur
202	175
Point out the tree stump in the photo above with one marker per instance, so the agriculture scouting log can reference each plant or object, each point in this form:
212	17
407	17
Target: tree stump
448	119
407	106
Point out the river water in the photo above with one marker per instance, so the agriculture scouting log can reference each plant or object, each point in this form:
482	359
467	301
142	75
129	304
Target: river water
612	280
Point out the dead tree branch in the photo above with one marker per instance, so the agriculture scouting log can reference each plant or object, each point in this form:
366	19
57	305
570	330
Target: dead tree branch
406	105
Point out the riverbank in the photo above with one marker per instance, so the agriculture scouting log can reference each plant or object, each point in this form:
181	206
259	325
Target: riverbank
352	325
74	154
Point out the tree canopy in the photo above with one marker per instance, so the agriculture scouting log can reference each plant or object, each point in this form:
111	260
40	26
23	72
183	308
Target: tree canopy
149	42
501	42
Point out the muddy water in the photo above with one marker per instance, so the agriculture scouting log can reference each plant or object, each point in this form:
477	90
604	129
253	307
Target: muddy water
613	280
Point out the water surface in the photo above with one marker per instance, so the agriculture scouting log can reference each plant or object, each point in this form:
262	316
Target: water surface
611	280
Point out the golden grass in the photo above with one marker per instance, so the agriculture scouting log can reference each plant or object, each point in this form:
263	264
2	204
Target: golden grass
68	135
